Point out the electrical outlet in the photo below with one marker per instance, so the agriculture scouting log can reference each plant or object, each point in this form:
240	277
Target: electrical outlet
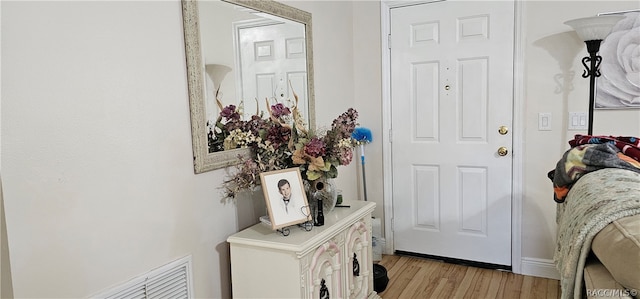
544	121
577	121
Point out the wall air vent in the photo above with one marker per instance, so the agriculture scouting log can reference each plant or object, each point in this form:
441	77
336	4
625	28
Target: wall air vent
173	280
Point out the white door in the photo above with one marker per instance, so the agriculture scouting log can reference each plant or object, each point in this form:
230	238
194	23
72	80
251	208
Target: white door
451	91
272	57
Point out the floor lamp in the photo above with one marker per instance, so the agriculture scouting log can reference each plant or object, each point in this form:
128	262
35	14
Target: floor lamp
592	31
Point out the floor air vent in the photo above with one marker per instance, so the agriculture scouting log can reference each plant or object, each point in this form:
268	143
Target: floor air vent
169	281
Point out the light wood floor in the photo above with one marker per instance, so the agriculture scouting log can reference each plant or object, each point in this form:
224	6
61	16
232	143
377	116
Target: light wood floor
412	277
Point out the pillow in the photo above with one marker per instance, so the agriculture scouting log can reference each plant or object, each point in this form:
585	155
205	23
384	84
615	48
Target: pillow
597	279
617	246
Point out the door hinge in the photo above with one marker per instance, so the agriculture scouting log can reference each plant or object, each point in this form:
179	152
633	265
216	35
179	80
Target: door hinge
389	41
392	225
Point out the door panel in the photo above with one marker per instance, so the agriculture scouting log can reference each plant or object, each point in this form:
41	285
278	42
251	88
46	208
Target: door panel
272	57
451	89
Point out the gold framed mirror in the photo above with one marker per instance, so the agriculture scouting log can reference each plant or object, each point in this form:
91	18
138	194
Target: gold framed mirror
211	72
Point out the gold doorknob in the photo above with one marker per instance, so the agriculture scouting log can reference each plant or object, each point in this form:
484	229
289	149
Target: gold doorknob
503	130
502	151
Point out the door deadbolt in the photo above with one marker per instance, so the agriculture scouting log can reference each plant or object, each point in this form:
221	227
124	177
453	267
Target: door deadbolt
503	130
502	151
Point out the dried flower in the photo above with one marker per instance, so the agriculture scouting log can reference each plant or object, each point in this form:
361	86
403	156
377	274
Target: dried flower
315	147
230	113
279	110
278	135
281	141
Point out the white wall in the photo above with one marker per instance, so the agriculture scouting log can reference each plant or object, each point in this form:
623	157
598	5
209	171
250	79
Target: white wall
96	154
96	145
368	93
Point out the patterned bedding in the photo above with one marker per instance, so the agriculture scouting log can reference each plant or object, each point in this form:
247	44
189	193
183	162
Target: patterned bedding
591	153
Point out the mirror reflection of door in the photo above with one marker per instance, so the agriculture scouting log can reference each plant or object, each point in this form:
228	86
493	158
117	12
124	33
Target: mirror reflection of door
275	50
272	58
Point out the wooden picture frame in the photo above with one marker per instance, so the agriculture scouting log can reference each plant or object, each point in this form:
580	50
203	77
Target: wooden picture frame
274	186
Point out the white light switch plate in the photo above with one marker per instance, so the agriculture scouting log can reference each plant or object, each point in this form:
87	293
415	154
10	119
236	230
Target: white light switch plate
544	121
577	121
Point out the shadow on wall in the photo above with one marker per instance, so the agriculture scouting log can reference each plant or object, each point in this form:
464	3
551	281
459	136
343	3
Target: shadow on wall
225	269
564	48
6	287
249	208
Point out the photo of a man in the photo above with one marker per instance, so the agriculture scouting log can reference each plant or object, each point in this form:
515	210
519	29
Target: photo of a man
285	190
285	197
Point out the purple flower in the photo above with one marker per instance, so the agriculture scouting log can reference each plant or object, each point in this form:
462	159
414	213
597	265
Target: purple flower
280	110
345	155
344	125
232	125
230	113
278	135
315	148
255	125
250	166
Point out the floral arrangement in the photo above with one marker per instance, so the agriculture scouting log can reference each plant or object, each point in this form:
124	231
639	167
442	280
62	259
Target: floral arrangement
279	141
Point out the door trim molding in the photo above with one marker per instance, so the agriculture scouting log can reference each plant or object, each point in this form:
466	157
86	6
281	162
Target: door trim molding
518	129
518	140
385	31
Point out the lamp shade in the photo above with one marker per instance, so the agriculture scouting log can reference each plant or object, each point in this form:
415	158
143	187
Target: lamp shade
217	72
594	28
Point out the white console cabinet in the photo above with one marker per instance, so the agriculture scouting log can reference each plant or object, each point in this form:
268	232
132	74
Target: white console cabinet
306	264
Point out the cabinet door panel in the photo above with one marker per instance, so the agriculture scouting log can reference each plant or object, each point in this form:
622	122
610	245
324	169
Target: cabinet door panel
325	272
358	250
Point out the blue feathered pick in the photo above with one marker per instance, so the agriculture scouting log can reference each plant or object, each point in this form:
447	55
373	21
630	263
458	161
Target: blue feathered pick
361	135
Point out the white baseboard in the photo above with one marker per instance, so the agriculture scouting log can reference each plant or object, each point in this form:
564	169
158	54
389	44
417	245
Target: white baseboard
539	267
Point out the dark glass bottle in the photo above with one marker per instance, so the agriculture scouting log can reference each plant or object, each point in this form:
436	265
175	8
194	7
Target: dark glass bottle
320	216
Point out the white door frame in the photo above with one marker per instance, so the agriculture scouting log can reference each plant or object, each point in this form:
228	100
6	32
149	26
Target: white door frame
518	129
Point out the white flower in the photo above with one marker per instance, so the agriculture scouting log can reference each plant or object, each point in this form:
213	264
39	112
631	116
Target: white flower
619	85
239	138
345	143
